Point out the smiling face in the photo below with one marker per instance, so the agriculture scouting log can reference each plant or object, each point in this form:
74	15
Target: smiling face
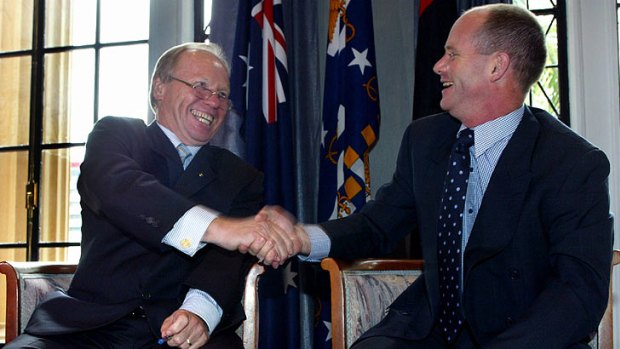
465	74
193	120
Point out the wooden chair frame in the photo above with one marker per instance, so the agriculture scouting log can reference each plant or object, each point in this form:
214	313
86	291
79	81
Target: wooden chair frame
14	271
336	268
250	305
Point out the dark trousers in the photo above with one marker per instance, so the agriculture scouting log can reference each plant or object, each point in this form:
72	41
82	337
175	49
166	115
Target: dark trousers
434	341
127	333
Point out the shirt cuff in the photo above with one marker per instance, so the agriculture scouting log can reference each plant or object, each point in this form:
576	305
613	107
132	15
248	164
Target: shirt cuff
204	306
319	242
187	232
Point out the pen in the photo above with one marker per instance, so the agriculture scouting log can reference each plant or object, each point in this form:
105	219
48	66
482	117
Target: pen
162	341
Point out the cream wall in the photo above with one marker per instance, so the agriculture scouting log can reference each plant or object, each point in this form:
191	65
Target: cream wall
594	93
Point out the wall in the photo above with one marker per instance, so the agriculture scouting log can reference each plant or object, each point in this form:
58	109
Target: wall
594	92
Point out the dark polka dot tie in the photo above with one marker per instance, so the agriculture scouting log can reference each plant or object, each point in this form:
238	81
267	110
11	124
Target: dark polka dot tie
450	232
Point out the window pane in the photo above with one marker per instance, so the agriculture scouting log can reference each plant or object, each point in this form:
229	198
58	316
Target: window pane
123	20
548	97
15	100
63	254
57	198
550	26
75	211
14	174
123	88
69	96
70	22
540	4
16	21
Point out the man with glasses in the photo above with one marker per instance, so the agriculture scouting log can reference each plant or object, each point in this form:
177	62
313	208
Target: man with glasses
159	264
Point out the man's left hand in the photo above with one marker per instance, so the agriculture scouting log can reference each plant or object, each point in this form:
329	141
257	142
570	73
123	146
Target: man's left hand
184	329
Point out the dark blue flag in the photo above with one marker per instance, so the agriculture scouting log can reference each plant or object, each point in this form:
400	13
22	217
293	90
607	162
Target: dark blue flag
350	122
259	90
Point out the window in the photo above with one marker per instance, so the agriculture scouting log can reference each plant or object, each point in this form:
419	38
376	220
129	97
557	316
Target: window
551	91
64	64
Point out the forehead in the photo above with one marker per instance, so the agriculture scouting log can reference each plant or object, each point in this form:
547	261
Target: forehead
201	65
464	30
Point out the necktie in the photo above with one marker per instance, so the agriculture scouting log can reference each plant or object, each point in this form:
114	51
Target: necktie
185	154
450	228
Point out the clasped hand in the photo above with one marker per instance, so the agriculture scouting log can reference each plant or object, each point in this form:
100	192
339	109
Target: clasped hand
273	235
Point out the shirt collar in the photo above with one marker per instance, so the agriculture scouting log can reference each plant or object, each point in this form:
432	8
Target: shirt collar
491	132
176	141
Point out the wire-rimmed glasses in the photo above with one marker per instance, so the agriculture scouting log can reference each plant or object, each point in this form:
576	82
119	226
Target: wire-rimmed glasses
202	91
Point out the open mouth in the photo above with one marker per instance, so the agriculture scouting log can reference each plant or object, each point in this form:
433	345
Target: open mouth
202	117
446	84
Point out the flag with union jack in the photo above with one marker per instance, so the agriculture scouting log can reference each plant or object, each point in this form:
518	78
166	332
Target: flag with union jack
259	89
350	122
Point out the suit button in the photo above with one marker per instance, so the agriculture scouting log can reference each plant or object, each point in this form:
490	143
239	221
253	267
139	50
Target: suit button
509	320
146	296
514	273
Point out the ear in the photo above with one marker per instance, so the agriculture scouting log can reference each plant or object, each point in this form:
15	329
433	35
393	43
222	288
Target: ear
499	65
158	89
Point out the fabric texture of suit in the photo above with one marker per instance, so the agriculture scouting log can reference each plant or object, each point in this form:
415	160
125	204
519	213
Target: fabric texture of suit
133	189
537	263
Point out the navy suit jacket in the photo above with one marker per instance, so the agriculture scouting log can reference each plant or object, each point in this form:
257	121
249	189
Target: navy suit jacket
537	263
133	189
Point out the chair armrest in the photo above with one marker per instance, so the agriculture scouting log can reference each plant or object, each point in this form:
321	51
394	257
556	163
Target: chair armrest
347	278
16	273
249	327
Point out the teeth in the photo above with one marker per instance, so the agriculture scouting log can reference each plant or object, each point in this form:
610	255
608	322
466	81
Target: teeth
202	117
447	84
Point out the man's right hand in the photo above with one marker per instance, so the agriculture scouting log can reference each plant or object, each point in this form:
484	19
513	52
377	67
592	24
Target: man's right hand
261	238
284	225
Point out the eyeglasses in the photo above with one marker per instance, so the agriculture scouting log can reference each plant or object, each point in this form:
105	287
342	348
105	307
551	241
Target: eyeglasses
202	91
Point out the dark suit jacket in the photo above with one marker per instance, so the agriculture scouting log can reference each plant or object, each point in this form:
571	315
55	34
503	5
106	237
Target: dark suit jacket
537	264
133	189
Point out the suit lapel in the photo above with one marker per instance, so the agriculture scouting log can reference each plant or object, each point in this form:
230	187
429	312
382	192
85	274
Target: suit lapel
199	173
498	216
162	147
434	169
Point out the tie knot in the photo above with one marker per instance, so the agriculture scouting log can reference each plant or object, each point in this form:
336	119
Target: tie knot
184	153
464	140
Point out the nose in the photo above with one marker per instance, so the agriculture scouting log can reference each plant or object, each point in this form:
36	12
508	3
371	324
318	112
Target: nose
211	99
439	65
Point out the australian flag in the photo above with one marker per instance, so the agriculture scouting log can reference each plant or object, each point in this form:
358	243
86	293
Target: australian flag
350	122
259	90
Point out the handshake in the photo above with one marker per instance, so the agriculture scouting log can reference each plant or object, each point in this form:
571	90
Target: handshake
273	235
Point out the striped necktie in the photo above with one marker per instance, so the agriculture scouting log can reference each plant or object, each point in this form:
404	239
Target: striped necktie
185	154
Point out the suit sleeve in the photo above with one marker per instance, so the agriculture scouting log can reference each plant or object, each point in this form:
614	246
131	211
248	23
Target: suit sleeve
113	183
383	222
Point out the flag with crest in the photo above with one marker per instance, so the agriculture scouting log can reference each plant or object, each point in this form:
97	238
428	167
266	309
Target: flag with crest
259	90
350	123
